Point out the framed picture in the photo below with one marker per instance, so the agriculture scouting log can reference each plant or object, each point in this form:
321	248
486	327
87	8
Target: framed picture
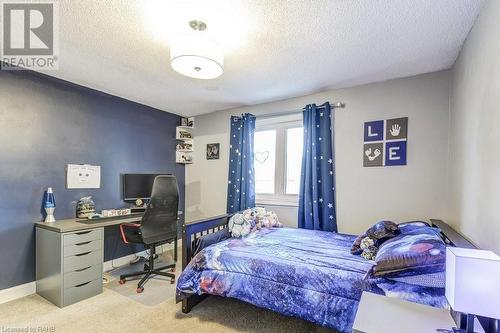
213	150
389	149
190	122
184	121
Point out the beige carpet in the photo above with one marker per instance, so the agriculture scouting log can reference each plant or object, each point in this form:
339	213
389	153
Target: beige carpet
122	310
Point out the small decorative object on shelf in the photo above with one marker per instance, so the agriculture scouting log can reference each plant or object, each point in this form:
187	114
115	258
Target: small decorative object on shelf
85	207
185	135
49	204
184	158
184	146
187	122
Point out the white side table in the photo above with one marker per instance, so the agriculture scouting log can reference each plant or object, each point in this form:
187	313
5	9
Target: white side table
382	314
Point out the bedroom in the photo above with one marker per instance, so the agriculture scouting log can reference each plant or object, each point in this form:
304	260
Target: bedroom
100	97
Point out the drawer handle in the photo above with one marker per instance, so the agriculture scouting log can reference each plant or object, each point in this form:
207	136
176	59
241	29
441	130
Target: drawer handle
83	243
83	254
83	269
83	232
83	284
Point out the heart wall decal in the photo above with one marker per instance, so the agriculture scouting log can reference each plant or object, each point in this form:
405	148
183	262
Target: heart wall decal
261	157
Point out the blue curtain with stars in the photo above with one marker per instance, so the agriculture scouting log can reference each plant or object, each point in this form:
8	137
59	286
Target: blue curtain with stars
241	182
317	209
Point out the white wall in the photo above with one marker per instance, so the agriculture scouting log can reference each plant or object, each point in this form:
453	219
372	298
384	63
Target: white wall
364	195
475	134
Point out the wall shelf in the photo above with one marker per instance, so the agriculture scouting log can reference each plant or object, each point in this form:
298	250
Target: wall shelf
185	144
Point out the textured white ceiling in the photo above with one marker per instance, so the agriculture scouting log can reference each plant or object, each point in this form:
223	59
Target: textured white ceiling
275	49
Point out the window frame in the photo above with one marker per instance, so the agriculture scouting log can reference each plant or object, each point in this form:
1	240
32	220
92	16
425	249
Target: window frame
280	124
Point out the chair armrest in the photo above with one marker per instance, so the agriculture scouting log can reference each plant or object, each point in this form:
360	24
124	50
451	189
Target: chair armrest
124	226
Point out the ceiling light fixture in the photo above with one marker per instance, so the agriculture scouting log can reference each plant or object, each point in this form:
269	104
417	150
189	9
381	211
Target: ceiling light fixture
197	55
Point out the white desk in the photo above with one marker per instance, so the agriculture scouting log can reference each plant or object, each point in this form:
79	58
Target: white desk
382	314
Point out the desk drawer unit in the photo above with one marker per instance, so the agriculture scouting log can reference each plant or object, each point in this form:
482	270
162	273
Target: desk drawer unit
69	265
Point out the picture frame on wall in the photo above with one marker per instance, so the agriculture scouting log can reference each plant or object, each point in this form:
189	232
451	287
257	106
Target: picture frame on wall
184	121
190	122
385	142
213	151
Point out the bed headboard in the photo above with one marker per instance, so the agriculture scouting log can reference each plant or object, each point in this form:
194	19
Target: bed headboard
452	237
191	231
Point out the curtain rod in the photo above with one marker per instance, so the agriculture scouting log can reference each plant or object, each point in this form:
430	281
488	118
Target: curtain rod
338	105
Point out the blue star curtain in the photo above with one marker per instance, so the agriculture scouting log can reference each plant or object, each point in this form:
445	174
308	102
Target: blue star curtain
317	209
241	183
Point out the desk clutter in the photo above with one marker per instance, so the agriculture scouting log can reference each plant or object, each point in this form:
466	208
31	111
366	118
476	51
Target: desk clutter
116	212
85	209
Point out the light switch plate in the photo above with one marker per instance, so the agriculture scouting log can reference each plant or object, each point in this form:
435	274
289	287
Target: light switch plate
83	176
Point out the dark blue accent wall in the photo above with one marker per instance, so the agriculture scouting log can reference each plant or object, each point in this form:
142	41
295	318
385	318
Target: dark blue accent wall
46	123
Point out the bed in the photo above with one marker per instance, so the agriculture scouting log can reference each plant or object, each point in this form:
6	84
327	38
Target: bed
307	274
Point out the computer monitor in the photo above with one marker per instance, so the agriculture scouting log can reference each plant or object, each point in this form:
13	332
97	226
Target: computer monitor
138	185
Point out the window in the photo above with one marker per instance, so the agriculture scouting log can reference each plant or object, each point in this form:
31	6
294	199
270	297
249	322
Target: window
278	159
265	161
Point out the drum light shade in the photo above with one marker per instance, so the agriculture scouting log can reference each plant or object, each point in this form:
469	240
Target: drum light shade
196	55
472	281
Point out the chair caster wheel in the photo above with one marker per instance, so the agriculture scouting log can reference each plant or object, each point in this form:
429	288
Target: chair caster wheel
122	281
172	281
139	290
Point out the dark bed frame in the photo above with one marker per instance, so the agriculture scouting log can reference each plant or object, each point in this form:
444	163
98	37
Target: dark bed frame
192	231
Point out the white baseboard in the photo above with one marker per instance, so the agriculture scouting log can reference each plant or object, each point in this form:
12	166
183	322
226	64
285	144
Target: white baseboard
10	294
111	264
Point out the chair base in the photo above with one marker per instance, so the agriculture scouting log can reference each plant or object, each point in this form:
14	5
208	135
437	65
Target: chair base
149	270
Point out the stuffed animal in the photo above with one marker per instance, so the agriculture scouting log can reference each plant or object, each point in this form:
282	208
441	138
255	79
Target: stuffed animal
249	215
369	248
379	233
271	220
239	226
252	219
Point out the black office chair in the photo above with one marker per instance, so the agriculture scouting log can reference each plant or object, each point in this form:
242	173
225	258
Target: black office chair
158	226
